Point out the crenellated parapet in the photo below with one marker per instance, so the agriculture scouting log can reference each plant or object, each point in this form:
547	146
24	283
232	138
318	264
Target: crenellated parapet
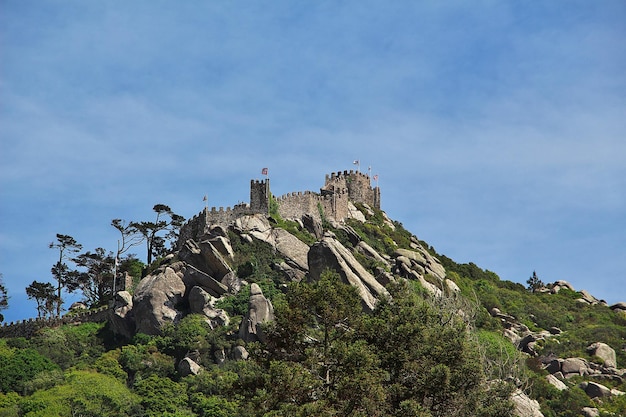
333	200
357	184
27	328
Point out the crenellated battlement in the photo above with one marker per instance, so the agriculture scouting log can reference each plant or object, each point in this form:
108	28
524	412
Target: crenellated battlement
27	328
340	189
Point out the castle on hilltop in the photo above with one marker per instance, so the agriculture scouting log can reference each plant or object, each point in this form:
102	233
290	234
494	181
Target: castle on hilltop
333	202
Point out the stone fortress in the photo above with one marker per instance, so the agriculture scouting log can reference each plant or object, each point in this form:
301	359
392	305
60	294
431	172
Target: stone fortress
334	201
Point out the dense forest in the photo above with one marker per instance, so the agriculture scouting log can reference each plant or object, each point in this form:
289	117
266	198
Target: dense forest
415	354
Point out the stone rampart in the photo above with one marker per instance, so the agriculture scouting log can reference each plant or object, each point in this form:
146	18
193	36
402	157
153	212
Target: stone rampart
357	184
27	328
339	189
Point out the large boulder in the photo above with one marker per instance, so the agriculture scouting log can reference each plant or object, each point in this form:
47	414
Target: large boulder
222	244
595	390
156	298
605	352
329	253
260	310
524	406
205	257
121	317
188	367
575	366
195	277
200	302
556	382
313	226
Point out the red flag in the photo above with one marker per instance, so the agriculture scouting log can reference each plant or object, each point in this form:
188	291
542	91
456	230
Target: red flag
376	177
264	171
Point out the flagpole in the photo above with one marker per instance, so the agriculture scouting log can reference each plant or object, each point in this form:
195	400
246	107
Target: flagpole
115	267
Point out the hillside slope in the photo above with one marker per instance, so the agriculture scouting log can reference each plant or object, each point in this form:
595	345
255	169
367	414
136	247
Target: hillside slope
308	316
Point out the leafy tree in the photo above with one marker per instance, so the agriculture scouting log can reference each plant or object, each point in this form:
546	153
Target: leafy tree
315	364
162	396
155	244
45	296
69	345
433	367
96	281
17	366
4	298
85	393
66	245
534	283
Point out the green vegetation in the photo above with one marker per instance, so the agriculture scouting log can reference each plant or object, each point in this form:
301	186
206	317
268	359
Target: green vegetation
414	355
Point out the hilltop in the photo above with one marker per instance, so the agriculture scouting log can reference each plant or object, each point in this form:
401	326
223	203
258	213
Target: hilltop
317	303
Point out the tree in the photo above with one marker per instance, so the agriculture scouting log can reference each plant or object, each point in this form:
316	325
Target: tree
44	294
534	283
96	282
4	298
155	244
128	238
66	245
315	365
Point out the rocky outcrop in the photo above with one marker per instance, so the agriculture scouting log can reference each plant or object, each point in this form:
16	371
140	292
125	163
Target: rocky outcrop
290	247
201	302
260	310
121	317
329	253
157	297
312	225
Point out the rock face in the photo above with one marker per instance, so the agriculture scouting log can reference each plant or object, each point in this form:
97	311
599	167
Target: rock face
260	310
121	317
329	253
156	298
290	247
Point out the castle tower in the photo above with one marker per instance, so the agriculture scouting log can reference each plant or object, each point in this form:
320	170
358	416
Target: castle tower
356	184
259	196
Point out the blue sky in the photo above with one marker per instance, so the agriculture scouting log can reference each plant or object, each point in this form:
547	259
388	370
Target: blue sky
497	128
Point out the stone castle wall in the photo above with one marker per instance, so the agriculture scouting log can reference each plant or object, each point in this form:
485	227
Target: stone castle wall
356	184
27	328
295	205
339	189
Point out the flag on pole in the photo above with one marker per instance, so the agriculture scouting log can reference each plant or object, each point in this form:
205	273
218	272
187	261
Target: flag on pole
205	198
356	162
376	177
264	171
